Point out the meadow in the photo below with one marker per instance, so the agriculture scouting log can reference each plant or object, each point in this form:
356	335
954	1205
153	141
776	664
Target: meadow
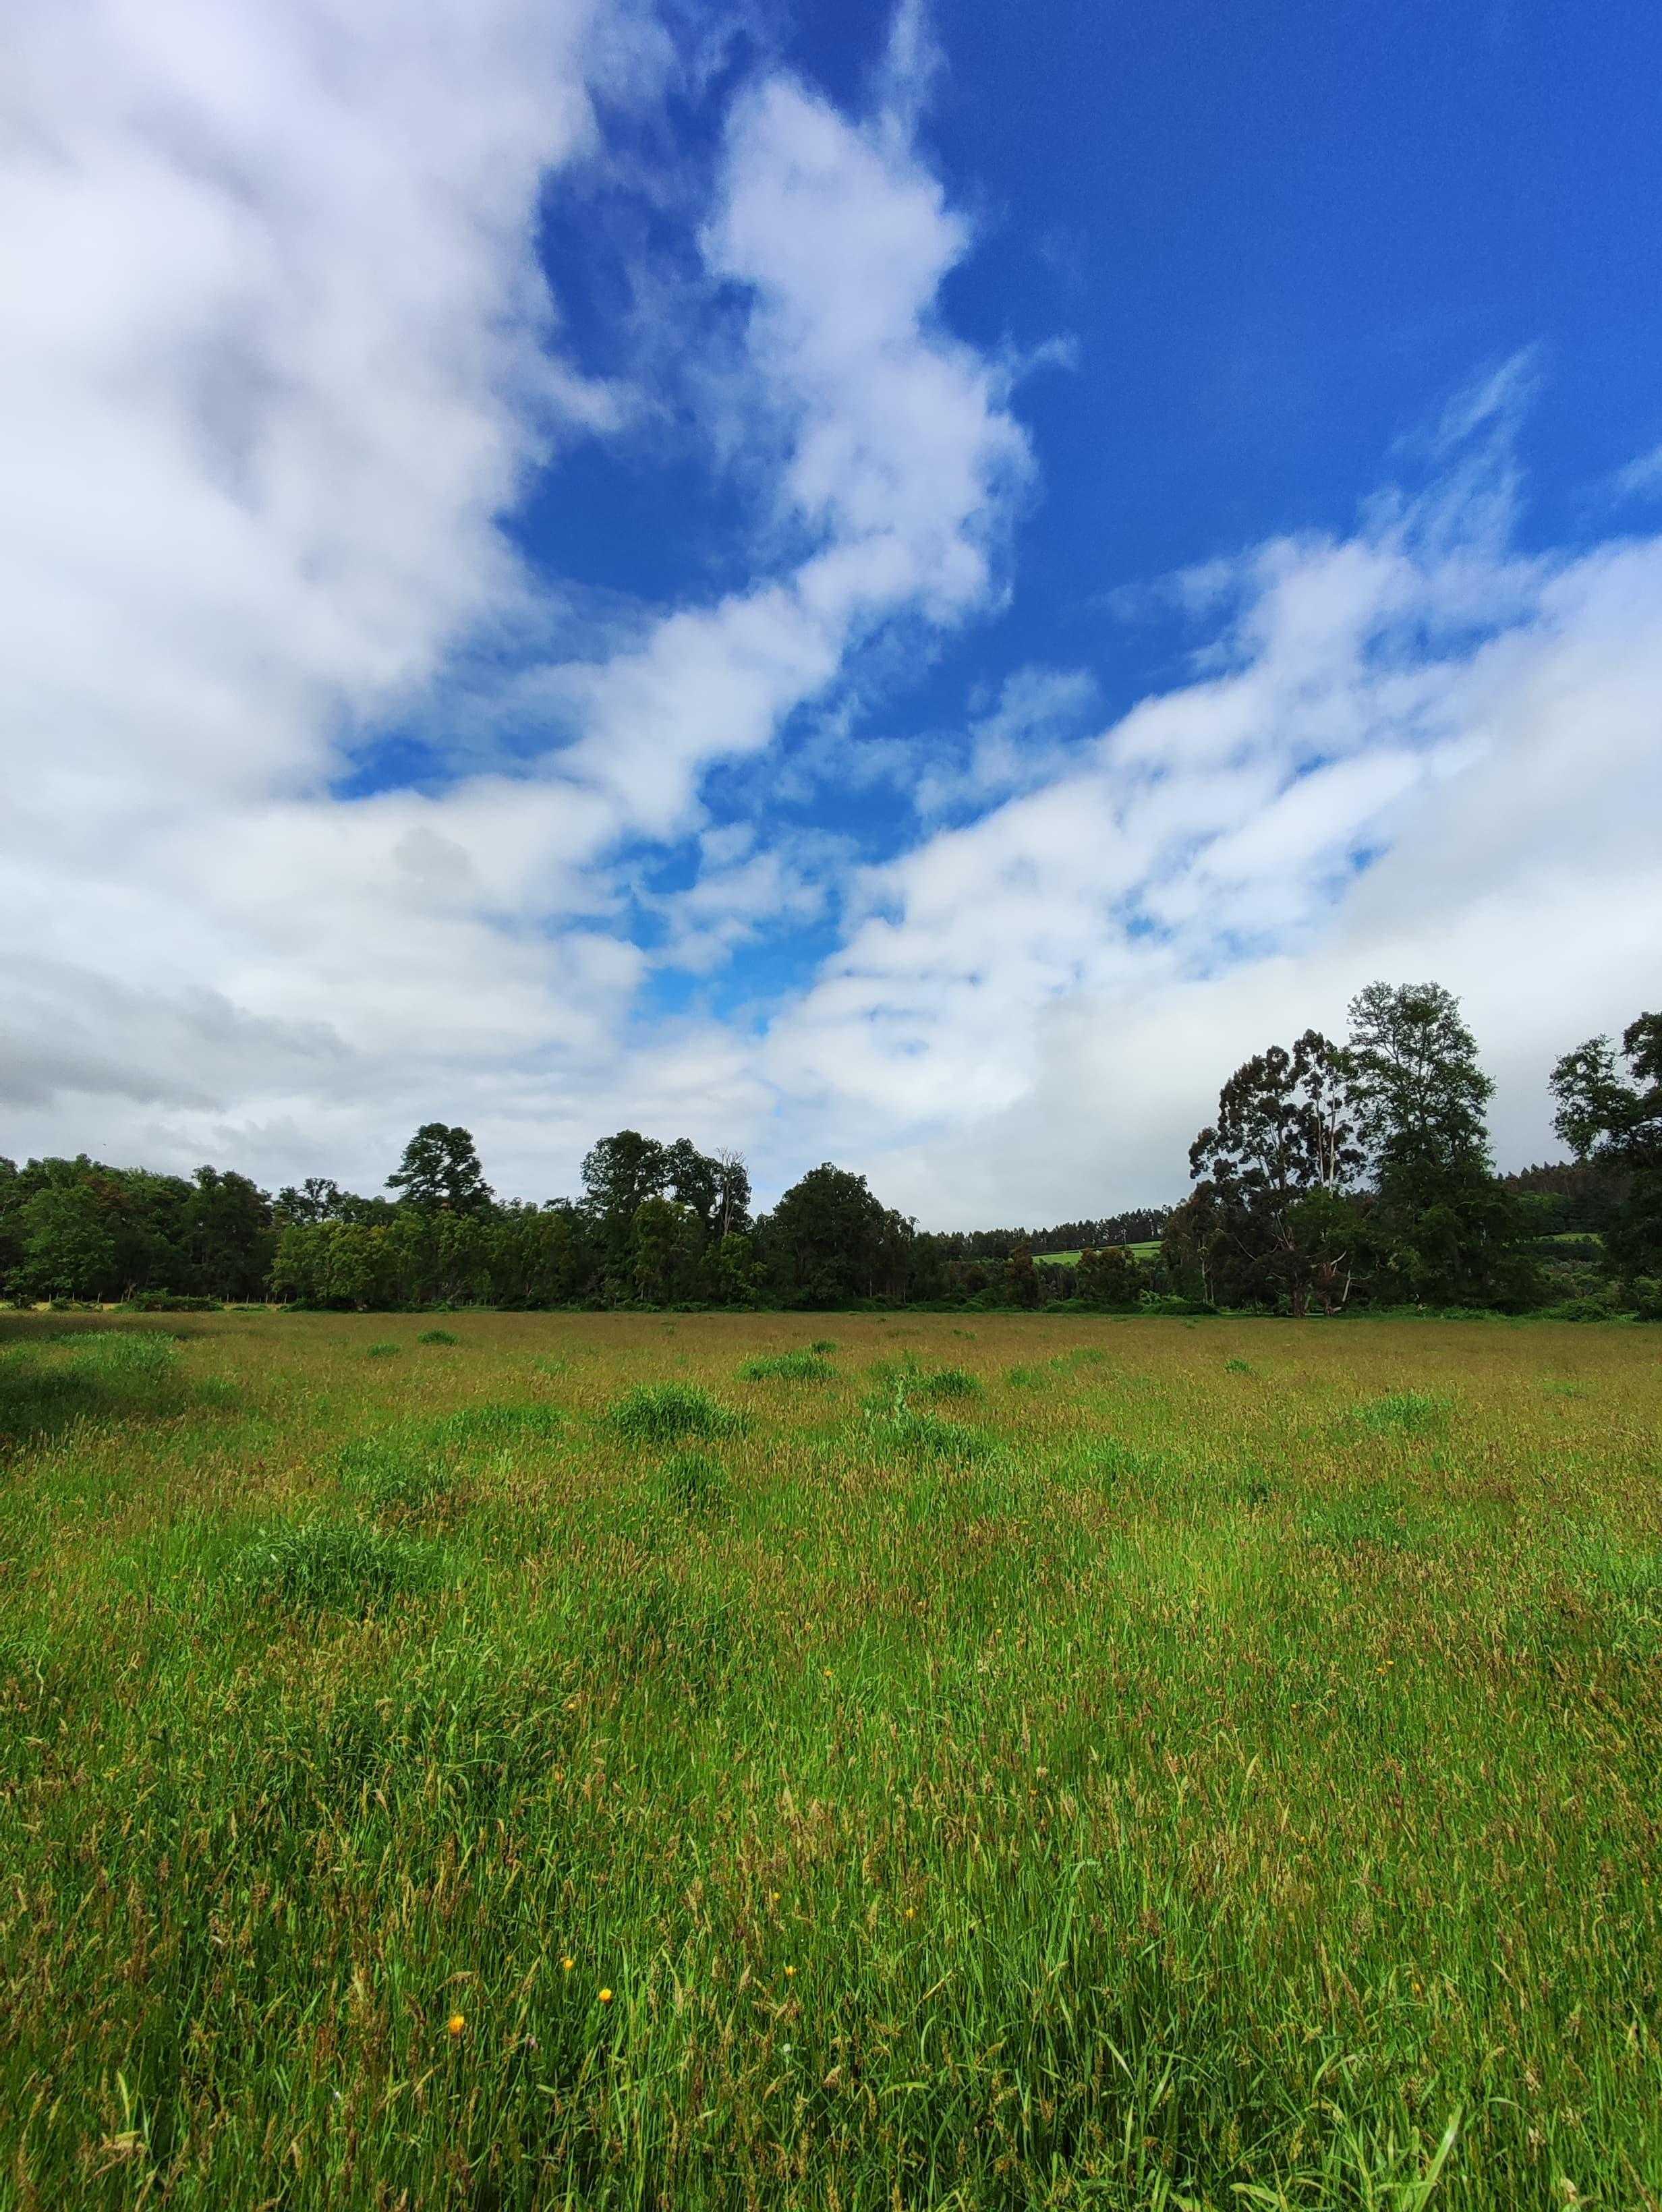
847	1762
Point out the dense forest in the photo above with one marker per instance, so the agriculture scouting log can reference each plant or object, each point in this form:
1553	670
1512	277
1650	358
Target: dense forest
1334	1177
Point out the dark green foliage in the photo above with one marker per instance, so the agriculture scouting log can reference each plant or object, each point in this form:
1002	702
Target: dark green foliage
1611	1114
1332	1177
383	1352
1272	1171
1110	1278
77	1229
439	1172
1452	1236
436	1336
829	1243
663	1412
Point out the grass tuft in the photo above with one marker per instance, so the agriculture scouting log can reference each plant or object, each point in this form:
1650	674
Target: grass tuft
947	1383
909	1434
438	1336
340	1565
663	1412
1400	1414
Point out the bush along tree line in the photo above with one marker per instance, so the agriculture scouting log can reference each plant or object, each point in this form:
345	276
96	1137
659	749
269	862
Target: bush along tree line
1334	1177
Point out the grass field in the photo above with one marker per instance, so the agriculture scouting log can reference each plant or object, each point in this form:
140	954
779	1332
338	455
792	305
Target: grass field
695	1762
1144	1251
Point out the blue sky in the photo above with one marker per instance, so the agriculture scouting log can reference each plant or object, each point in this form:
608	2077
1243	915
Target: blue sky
852	583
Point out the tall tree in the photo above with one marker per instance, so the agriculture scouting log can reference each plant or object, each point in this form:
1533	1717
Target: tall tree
320	1198
1286	1131
829	1241
665	1245
694	1179
621	1173
1420	1096
733	1194
1611	1117
227	1237
441	1172
1109	1276
1447	1232
69	1246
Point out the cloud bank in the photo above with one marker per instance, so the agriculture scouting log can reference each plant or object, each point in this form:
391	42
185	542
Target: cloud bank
283	365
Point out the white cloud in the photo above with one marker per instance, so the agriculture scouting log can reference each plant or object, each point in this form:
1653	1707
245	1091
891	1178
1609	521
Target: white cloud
280	357
1039	1008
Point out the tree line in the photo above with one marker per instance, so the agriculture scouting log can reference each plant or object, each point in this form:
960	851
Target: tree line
1333	1175
1361	1172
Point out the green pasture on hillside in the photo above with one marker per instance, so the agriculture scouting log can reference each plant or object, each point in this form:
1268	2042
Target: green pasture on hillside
1144	1251
672	1762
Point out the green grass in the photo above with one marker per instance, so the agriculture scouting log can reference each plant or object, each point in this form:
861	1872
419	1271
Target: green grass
803	1366
1146	1251
1154	1789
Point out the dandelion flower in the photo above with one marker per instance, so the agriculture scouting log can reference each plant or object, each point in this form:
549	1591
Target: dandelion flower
566	1965
605	1997
456	2023
790	1972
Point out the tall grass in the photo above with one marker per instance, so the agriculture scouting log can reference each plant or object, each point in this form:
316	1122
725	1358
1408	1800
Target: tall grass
1147	1793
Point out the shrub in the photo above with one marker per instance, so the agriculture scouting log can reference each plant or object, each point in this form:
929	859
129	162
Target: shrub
788	1367
947	1383
663	1412
169	1302
437	1336
338	1564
